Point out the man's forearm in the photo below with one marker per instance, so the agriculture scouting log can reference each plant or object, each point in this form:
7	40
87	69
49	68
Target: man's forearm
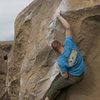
64	22
66	25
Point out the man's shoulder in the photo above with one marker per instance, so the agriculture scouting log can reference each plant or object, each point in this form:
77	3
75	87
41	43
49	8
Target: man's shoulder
68	41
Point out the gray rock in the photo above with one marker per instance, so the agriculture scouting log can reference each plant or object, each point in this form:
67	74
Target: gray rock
32	59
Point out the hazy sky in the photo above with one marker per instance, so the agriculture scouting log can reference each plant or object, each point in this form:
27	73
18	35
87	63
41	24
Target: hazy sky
9	9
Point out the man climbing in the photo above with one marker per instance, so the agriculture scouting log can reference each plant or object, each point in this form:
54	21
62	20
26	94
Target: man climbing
70	62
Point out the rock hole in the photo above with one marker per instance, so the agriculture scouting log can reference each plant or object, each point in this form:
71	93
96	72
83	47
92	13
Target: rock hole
5	57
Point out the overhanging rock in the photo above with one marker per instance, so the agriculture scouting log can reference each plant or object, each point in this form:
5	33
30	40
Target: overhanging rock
32	64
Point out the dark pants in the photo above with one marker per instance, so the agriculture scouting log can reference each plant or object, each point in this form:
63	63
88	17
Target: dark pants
60	84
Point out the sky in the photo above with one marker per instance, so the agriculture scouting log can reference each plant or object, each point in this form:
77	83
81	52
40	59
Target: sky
9	9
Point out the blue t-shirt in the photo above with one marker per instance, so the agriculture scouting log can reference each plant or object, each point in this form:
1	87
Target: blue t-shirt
62	60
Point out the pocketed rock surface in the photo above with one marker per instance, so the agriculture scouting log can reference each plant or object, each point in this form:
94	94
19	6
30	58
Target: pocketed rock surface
4	51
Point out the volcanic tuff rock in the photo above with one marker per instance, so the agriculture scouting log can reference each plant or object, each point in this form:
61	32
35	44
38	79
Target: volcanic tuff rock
32	62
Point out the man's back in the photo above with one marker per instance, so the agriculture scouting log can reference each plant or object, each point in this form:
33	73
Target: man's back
79	66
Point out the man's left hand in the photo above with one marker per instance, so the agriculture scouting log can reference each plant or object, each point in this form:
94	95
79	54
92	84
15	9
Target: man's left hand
65	75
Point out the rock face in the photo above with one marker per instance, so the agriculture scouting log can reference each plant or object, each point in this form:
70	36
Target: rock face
32	62
4	50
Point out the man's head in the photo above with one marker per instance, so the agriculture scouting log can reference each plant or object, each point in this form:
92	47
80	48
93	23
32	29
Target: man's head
57	46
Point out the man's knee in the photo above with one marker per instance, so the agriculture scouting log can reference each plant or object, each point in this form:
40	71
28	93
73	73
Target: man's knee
56	86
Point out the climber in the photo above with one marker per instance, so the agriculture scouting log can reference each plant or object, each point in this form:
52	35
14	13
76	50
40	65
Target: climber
70	62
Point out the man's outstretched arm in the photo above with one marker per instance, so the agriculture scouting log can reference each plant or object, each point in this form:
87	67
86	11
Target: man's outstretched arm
66	25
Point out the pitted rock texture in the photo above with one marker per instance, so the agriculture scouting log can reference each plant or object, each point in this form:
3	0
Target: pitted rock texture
32	62
4	51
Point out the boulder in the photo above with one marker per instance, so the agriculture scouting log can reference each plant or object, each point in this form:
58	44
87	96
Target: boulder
32	63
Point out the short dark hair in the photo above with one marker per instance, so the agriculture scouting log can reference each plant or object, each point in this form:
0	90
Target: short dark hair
56	44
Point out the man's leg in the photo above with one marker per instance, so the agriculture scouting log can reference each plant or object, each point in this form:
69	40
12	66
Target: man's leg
62	95
60	84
